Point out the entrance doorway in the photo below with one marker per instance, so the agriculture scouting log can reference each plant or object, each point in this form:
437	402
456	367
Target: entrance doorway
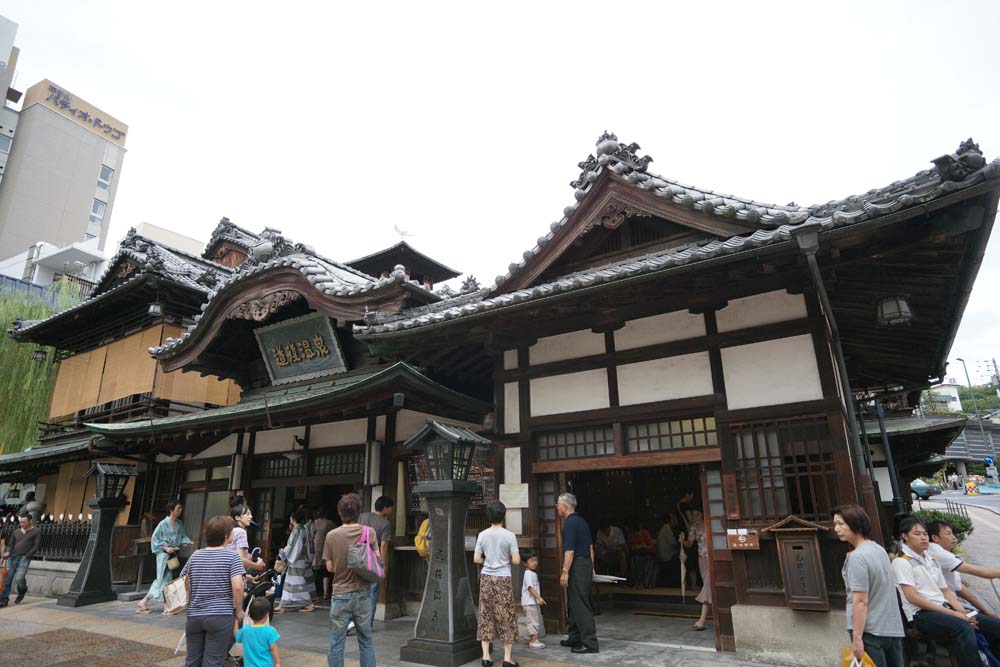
635	505
272	508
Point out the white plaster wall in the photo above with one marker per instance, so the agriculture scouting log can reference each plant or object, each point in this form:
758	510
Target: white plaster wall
664	328
509	359
224	447
771	372
665	379
335	434
571	392
511	408
409	423
572	345
759	309
278	440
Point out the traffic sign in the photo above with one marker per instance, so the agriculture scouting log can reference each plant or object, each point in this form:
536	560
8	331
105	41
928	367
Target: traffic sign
988	460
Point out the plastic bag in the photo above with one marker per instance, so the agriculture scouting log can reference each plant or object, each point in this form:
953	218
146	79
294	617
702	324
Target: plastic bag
847	659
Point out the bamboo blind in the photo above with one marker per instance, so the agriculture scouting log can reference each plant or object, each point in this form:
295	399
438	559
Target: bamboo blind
192	387
78	384
124	368
129	368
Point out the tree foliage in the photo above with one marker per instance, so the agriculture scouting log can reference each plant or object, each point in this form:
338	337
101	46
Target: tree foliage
25	384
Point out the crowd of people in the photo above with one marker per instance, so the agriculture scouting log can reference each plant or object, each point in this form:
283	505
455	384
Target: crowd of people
232	594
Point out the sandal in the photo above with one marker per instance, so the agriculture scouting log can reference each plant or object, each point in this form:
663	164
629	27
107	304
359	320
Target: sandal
278	610
141	610
697	628
308	608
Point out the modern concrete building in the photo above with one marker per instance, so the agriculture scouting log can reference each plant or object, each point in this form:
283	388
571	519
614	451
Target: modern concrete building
62	168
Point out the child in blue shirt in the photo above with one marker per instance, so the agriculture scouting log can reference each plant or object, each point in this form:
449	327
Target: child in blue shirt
260	640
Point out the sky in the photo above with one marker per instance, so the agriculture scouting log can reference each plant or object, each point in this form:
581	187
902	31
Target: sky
462	123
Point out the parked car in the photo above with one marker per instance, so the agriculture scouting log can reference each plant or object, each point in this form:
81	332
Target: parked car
924	490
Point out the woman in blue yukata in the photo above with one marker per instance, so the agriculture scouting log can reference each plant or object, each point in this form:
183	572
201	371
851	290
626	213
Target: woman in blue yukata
168	538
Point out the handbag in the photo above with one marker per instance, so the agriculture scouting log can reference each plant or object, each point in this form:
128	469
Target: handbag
363	559
173	563
175	596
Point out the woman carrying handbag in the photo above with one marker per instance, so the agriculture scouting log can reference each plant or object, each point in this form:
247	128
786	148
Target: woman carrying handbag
167	540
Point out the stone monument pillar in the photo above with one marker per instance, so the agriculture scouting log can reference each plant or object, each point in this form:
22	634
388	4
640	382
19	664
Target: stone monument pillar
445	634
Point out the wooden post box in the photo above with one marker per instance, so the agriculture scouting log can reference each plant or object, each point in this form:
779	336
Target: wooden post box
800	562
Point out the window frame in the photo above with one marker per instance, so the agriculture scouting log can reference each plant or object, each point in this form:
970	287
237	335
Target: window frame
101	182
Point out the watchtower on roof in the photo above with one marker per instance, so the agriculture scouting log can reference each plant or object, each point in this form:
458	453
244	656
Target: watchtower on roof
418	266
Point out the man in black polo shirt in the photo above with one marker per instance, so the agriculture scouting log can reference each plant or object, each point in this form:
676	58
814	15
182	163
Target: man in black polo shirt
577	576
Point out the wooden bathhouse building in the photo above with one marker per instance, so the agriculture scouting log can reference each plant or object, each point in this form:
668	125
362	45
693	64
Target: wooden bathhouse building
658	337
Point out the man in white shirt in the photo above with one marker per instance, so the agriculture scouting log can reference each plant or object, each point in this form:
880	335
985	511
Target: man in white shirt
930	604
941	549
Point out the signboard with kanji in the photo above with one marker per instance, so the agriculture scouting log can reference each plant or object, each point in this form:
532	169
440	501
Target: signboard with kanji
301	348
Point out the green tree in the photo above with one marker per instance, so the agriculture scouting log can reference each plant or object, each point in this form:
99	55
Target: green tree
26	384
986	398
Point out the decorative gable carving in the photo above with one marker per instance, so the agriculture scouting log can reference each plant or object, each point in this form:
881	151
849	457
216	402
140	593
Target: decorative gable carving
259	309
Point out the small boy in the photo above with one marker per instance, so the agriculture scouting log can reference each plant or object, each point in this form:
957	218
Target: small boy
260	640
531	598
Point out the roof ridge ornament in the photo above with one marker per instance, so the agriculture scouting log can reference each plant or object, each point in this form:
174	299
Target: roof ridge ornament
961	164
609	150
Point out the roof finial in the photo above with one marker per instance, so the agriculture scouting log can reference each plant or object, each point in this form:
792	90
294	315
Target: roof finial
607	143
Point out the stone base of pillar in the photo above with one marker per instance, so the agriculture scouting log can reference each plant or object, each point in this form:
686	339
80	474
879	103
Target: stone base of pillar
73	599
439	654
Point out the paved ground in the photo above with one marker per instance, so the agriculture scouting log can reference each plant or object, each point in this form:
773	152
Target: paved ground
627	639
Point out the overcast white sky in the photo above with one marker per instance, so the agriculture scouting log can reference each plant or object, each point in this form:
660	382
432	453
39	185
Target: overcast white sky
463	125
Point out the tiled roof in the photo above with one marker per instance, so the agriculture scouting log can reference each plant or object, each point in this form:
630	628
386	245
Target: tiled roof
152	259
273	401
326	275
951	173
227	231
45	454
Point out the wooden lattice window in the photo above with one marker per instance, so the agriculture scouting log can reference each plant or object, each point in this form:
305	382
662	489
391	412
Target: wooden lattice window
785	467
340	463
280	467
579	443
671	434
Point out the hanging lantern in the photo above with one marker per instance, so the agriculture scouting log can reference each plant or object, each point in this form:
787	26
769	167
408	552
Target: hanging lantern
39	354
894	311
155	309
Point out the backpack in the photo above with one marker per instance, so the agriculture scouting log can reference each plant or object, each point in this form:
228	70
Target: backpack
363	559
423	539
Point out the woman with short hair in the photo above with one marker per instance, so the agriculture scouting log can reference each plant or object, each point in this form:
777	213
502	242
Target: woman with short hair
214	580
496	551
873	620
297	590
167	540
